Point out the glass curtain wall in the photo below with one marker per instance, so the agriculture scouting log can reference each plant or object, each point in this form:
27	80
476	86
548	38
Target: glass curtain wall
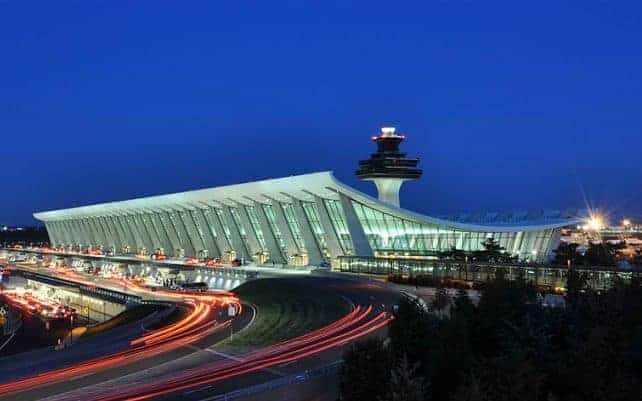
239	225
290	216
256	226
271	218
335	211
312	214
391	235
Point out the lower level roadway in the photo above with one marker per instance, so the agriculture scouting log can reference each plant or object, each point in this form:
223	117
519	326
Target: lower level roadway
198	370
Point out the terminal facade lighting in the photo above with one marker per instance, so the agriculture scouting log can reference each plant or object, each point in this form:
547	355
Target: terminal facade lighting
308	219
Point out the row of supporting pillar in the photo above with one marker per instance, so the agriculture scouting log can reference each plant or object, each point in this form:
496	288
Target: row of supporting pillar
221	231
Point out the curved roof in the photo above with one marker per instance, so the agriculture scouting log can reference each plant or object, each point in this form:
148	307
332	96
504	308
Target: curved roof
303	187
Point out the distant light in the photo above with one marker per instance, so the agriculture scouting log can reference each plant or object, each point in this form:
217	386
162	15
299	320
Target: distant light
595	223
626	222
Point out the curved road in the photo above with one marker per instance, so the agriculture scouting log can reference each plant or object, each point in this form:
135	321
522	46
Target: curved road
195	370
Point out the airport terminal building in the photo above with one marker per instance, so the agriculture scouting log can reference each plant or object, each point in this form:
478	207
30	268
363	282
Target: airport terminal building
310	219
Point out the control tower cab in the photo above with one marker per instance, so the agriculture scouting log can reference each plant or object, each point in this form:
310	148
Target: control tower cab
388	167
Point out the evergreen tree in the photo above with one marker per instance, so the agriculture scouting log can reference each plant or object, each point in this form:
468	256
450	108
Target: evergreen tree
566	252
492	252
603	253
441	300
365	372
405	384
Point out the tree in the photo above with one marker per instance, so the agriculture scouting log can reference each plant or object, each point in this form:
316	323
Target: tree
365	372
441	301
454	254
405	384
491	245
603	253
492	252
463	306
576	282
567	251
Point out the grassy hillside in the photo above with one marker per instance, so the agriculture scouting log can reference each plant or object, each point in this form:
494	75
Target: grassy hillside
287	307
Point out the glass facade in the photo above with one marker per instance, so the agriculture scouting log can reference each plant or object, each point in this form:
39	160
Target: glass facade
338	219
271	218
256	226
239	226
226	228
391	235
293	224
312	214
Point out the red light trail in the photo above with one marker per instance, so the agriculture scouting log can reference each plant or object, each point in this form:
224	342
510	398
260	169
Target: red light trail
356	324
198	324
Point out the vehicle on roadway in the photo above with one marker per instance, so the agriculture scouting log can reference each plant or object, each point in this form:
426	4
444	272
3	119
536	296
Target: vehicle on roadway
196	286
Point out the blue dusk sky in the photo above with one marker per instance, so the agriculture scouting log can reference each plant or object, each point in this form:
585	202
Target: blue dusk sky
509	106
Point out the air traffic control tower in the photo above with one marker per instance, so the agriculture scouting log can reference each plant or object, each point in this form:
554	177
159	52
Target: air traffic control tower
388	167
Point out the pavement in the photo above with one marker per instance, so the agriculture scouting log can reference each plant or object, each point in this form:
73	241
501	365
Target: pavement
361	292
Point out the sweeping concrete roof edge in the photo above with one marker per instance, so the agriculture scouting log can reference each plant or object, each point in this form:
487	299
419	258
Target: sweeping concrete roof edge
303	187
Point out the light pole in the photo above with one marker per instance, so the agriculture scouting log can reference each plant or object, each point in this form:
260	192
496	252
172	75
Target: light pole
71	332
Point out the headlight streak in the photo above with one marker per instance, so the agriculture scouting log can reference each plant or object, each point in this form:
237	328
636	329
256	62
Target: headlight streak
331	336
198	324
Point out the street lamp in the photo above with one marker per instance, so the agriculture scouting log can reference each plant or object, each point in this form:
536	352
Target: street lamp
71	332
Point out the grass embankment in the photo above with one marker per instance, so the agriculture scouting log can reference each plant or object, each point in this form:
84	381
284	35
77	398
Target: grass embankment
287	307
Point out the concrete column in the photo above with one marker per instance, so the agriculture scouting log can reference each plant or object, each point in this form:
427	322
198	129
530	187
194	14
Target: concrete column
312	247
74	232
99	235
331	238
192	232
237	241
118	229
271	242
183	235
286	233
82	234
66	232
50	233
145	237
359	240
171	233
207	232
131	234
252	239
91	240
110	230
144	222
553	243
125	231
155	238
219	232
165	240
133	228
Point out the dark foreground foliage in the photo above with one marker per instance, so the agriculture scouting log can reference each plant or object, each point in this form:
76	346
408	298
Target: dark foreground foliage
507	347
